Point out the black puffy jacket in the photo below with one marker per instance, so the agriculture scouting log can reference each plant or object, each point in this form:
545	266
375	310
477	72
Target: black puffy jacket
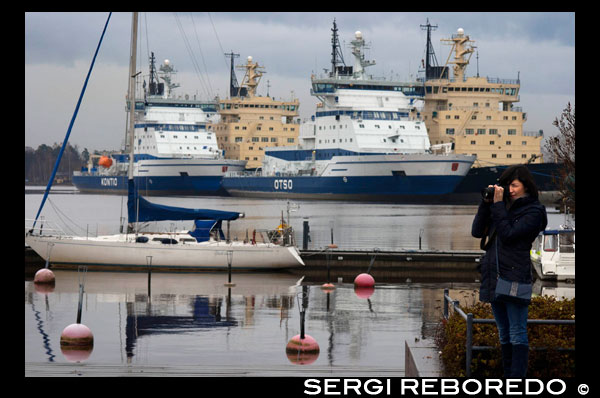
516	229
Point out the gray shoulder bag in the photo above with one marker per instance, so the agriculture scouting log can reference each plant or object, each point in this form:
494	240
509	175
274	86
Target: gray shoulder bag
516	292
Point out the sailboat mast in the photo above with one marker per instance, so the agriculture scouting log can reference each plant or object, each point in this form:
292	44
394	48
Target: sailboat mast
131	91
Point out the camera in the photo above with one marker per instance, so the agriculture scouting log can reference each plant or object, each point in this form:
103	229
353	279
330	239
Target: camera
488	193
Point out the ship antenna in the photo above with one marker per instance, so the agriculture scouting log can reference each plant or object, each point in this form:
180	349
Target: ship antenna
234	88
335	50
477	63
430	59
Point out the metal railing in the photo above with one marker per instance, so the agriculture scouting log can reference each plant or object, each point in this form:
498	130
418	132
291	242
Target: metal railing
45	227
471	320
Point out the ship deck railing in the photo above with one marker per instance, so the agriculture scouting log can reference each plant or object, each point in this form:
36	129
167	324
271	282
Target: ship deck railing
44	227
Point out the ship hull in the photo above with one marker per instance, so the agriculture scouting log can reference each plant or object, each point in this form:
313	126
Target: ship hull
388	178
165	177
151	186
468	191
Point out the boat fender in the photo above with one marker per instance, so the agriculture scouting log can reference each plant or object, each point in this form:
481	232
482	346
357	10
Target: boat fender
141	239
254	237
168	241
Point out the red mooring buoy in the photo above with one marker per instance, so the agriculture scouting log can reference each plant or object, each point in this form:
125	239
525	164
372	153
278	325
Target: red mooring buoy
364	292
364	280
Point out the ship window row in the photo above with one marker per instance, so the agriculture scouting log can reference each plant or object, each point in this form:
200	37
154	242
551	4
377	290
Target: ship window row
174	127
501	91
450	131
186	137
261	106
330	88
204	107
509	155
366	115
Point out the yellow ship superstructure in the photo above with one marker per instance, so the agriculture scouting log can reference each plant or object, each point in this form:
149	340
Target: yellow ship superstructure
250	123
477	113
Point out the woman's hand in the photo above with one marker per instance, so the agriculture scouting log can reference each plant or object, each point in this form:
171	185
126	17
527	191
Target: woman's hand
498	193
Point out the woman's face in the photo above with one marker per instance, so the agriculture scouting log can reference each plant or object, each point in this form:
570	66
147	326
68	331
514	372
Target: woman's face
517	190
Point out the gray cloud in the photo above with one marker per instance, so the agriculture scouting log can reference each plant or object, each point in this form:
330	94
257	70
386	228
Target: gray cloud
59	48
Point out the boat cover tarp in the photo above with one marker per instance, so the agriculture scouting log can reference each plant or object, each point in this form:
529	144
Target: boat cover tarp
154	212
202	229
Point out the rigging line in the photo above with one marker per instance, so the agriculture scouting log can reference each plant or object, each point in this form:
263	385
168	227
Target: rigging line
147	39
62	149
59	213
218	41
190	52
201	54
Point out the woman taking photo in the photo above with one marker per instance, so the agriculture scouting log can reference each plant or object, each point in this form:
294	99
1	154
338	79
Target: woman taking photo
510	222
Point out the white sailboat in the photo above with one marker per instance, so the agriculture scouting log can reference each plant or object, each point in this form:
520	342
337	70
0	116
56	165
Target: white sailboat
203	248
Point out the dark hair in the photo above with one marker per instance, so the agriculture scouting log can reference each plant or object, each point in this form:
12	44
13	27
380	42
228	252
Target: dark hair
519	172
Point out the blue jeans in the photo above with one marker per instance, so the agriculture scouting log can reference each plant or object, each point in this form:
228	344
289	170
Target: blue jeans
511	320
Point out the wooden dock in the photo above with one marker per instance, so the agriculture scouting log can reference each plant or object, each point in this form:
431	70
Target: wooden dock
392	265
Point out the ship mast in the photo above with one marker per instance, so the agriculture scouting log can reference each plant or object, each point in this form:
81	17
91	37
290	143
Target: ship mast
358	44
131	92
430	59
462	46
335	51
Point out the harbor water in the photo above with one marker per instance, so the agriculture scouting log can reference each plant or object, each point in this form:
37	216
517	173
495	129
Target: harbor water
193	320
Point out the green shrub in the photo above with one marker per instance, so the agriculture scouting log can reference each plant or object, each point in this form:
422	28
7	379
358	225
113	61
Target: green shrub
548	362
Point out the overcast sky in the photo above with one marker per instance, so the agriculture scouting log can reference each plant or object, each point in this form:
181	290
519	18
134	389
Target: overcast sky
538	47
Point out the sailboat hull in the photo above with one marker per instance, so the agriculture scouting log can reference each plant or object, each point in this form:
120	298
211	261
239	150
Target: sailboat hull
118	252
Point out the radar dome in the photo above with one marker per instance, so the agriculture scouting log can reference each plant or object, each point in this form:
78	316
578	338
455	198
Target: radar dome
358	34
249	58
461	31
167	62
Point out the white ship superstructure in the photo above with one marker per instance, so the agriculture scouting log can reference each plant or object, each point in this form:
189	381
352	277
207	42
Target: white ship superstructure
175	149
365	140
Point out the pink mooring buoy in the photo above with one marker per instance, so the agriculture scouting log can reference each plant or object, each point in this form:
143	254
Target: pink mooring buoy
364	280
44	276
364	292
302	351
77	335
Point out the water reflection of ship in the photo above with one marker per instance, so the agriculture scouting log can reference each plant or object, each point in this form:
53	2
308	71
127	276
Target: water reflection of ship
560	290
158	315
145	318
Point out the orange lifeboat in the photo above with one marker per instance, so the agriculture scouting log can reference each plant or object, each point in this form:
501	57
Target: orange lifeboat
105	161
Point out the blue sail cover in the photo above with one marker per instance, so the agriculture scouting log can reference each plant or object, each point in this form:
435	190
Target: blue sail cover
202	229
154	212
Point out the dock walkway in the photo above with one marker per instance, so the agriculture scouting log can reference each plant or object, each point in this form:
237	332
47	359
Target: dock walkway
414	264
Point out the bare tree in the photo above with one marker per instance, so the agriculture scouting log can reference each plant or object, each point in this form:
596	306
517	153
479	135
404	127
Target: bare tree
562	148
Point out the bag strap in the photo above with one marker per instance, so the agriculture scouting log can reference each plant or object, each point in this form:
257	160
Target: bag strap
497	266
